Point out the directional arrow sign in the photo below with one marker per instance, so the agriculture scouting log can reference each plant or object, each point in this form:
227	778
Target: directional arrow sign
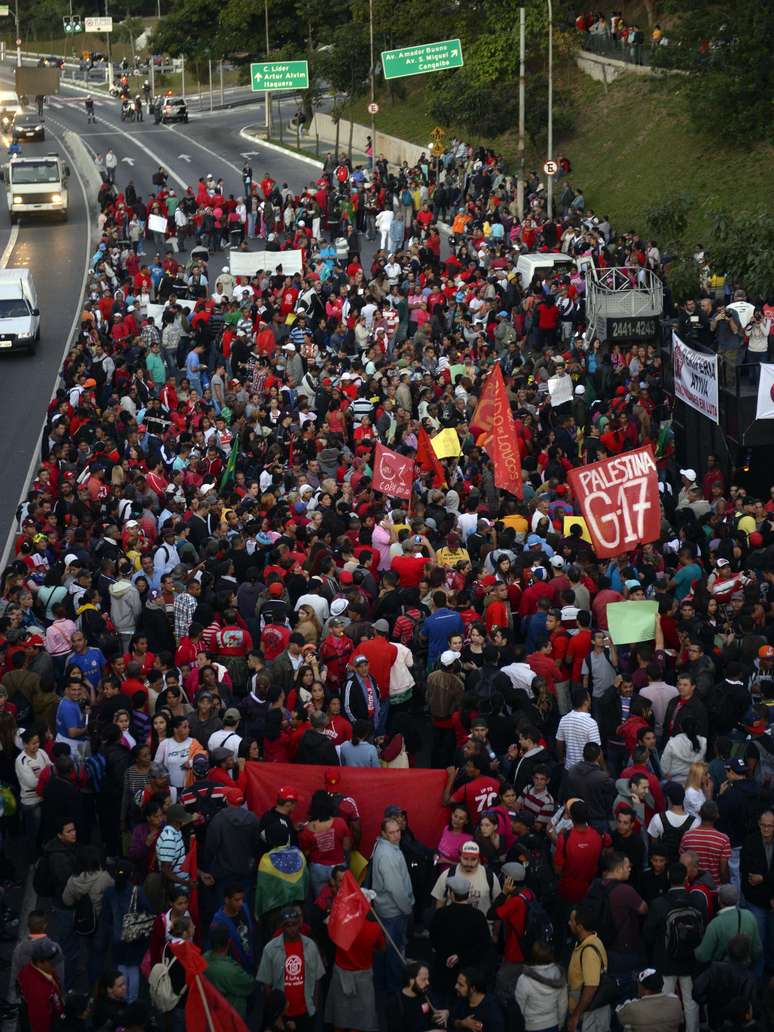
279	75
185	157
129	161
421	59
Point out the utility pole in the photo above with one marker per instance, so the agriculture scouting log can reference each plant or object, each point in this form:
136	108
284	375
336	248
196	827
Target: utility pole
182	76
18	37
222	99
267	94
550	154
371	77
209	68
520	181
109	51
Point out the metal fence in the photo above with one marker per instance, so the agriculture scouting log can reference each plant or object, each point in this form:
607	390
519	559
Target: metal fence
610	46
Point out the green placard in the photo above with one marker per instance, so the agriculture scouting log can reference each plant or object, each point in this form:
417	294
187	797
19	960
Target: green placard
279	75
4	10
421	59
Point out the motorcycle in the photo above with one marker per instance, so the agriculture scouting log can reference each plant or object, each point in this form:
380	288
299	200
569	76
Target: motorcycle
128	113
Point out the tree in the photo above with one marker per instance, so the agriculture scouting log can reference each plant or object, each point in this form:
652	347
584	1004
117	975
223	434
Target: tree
743	248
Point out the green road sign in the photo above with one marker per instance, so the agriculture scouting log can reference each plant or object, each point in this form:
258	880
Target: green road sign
426	57
279	75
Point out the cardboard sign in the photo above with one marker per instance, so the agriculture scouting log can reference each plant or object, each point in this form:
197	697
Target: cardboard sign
631	621
157	224
619	500
247	263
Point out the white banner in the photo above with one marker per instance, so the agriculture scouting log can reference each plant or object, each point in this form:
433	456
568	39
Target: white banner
766	393
560	390
155	312
247	263
696	378
157	224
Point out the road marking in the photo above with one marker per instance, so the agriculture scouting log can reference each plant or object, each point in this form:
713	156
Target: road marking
13	237
35	459
201	146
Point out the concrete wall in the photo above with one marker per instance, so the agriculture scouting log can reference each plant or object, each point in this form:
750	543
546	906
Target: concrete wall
396	151
607	69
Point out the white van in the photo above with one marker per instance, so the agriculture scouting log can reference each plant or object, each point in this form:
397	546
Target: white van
36	184
19	312
530	265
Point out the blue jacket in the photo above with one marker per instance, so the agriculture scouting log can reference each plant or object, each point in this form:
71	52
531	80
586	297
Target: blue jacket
245	957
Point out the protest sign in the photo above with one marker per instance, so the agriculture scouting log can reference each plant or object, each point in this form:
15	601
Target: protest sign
619	500
157	224
696	379
631	621
560	390
247	263
393	473
576	521
446	445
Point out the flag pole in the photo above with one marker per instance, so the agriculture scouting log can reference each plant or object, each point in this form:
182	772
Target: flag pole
205	1005
387	935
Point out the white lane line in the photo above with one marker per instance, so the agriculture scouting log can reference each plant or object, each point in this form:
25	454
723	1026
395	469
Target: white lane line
35	458
201	146
4	258
146	150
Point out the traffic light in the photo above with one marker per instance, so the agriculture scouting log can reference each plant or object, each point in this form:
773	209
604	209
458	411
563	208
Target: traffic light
72	23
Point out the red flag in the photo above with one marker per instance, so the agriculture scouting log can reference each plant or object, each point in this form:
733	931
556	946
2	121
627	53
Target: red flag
481	423
191	866
348	913
620	501
206	1010
393	473
427	458
503	444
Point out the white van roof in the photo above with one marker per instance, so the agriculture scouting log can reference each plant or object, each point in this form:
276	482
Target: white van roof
10	281
543	257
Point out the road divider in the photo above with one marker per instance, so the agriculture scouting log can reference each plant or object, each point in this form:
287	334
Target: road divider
83	161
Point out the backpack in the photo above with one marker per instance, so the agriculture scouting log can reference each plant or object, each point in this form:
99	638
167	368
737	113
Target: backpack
672	836
406	199
162	995
85	920
42	879
538	926
683	931
598	896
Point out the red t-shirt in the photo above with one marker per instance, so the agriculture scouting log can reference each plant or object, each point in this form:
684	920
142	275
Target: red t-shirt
478	795
577	856
410	569
513	914
294	978
325	847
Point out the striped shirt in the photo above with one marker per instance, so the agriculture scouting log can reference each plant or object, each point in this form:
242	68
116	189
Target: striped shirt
541	804
170	848
710	846
576	729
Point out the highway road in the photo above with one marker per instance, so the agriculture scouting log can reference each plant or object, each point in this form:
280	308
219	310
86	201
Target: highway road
57	253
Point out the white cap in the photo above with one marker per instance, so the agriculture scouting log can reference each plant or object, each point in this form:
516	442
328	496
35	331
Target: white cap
449	656
569	613
721	562
288	347
338	606
70	558
557	561
580	389
690	474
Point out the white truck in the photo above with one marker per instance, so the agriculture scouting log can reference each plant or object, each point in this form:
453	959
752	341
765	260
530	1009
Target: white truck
36	185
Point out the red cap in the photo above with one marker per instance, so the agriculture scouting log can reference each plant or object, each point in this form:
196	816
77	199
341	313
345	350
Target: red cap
755	539
286	793
766	652
275	589
37	641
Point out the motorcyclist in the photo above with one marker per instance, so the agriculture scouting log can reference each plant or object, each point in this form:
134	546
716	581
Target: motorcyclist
138	108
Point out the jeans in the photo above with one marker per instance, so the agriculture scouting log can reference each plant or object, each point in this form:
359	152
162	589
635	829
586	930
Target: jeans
690	1006
388	966
733	868
31	817
597	1020
131	973
61	929
764	918
384	712
320	875
563	700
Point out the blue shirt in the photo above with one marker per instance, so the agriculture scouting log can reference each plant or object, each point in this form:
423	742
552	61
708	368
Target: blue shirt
91	662
69	714
683	579
438	626
192	364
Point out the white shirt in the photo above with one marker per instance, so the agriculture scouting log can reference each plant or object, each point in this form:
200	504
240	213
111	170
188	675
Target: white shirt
316	602
173	755
576	729
226	738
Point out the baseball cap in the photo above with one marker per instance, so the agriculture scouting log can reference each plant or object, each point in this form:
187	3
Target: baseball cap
200	765
458	885
45	949
35	640
569	613
689	473
232	713
557	562
515	871
766	652
633	584
360	659
176	812
286	793
580	389
736	764
651	979
471	848
71	558
722	562
449	656
275	589
524	817
289	914
381	626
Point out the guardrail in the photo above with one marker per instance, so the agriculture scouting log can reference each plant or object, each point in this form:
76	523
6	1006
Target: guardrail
606	45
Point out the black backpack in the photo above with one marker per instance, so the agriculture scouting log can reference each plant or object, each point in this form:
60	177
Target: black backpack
683	931
42	880
538	926
598	897
672	836
85	916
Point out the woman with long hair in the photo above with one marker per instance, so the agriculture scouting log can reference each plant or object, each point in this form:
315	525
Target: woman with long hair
682	750
698	787
161	728
453	837
136	777
325	840
121	898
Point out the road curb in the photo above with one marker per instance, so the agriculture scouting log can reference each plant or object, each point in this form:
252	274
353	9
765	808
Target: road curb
280	150
84	163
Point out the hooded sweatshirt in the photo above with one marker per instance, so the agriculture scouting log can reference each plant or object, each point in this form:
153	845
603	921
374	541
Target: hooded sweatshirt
541	993
93	883
125	606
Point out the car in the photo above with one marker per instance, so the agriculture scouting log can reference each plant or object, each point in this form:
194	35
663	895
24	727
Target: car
28	127
174	109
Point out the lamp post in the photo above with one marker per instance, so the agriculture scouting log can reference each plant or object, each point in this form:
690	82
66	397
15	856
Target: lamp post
550	134
371	78
520	182
267	94
18	37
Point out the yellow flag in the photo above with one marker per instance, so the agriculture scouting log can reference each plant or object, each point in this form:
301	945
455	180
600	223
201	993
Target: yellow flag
446	445
571	521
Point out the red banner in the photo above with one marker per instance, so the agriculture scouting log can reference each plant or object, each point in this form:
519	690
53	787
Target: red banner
393	473
481	423
418	791
503	446
348	913
427	460
619	500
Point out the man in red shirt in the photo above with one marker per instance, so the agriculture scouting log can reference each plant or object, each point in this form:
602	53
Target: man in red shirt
410	567
511	908
538	589
543	664
580	643
478	794
291	963
577	855
381	655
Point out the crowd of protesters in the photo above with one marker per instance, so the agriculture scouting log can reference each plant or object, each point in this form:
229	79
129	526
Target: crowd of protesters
204	579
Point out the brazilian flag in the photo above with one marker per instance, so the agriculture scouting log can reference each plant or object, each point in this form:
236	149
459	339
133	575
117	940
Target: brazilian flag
283	878
228	472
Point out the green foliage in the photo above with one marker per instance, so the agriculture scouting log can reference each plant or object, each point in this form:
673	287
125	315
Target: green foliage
725	51
484	109
667	221
743	247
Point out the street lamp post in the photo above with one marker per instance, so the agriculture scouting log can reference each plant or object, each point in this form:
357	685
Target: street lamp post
18	37
267	94
550	134
520	184
371	77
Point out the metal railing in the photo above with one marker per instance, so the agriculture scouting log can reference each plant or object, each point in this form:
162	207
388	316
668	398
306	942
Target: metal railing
611	46
610	294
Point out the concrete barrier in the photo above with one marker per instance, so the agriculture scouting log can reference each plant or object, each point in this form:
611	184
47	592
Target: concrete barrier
83	160
608	69
395	151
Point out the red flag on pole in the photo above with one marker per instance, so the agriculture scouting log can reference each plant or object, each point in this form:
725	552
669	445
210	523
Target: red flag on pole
503	444
481	423
427	459
348	913
206	1010
393	473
